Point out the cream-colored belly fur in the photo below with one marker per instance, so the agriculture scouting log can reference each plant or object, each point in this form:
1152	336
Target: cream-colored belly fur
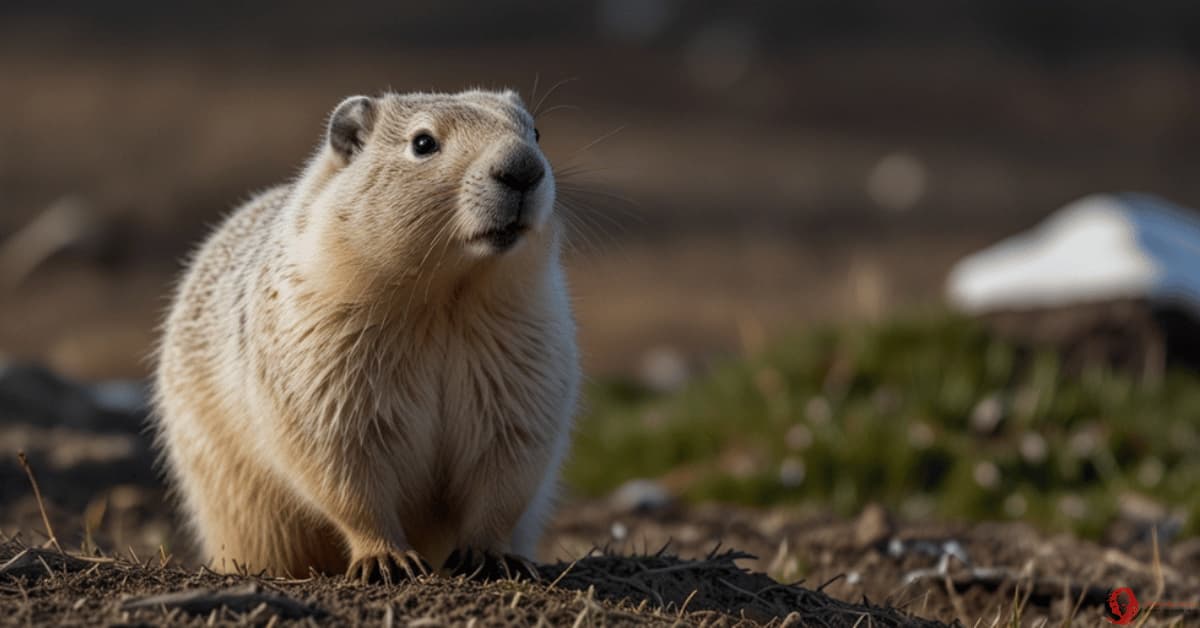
299	432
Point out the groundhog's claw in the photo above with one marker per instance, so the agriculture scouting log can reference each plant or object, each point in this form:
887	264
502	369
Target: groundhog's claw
389	567
483	565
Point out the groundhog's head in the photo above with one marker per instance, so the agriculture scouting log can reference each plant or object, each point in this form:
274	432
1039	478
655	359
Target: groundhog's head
412	184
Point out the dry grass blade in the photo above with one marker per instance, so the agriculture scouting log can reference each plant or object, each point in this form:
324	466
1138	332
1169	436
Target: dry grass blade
1159	580
241	599
37	494
562	575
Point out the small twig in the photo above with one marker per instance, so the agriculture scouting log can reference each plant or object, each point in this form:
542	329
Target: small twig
37	494
580	617
821	589
683	609
209	570
46	565
98	560
562	575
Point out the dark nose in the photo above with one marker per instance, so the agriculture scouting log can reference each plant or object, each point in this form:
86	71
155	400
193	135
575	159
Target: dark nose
520	172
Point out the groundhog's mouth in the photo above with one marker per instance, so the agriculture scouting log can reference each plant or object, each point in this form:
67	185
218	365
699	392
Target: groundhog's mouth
502	238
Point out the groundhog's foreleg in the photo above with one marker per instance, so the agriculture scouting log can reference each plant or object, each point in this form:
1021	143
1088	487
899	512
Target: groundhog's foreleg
362	502
528	531
509	511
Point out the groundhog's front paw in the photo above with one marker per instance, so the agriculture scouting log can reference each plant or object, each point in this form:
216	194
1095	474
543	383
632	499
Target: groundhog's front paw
388	567
483	565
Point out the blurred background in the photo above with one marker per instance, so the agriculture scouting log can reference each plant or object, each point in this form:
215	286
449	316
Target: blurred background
774	194
781	162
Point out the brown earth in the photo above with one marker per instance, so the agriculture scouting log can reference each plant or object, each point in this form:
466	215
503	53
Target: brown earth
100	491
46	587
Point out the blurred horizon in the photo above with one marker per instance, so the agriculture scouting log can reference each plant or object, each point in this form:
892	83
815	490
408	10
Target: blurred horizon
753	168
1055	31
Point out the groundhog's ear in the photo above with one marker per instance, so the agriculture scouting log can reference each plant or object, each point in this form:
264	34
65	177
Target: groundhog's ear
350	125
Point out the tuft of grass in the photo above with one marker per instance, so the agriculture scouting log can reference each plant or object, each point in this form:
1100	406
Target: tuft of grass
928	414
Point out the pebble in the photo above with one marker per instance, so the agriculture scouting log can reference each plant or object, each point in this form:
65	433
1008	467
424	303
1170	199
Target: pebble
640	495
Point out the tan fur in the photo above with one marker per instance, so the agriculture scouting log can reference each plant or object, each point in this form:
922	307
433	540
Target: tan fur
344	374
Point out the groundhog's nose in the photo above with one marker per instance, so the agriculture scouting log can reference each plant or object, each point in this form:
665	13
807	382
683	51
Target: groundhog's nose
520	171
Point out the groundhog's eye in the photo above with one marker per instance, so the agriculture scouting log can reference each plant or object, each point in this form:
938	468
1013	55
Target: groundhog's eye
537	135
424	144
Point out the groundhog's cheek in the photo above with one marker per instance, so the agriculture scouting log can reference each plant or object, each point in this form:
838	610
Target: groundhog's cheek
541	203
474	213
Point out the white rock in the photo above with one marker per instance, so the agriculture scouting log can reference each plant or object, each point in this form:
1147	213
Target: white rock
791	472
640	495
1098	248
664	369
987	414
1033	447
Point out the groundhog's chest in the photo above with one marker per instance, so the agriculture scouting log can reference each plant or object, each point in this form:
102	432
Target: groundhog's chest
502	385
462	394
486	430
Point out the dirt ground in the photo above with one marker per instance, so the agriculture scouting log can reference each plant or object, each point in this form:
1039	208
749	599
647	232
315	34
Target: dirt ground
102	497
1013	576
45	587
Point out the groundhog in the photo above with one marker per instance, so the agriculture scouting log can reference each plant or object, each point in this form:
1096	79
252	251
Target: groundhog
373	369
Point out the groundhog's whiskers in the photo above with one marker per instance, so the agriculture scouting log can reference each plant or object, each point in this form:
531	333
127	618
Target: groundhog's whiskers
549	110
588	220
537	107
591	223
581	191
574	171
580	230
592	144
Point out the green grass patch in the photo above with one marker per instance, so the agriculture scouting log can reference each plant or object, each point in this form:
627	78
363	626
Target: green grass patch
929	415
